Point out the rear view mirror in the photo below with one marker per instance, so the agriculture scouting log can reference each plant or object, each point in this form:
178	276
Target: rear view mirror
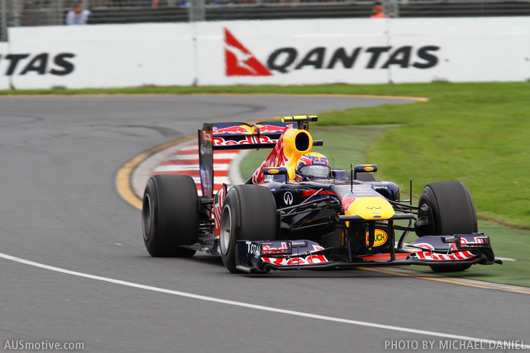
364	168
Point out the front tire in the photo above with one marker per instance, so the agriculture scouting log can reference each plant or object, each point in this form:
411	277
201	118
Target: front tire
448	209
170	216
249	213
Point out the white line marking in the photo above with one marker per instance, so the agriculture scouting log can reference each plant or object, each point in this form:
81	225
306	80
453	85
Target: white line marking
250	306
506	259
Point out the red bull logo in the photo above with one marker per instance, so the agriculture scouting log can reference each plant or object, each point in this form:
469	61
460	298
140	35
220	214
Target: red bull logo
319	160
267	129
248	130
236	129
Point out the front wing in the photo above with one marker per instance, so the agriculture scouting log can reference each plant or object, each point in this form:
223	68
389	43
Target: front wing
263	256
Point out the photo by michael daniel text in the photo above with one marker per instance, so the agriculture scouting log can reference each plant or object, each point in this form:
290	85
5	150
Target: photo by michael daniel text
456	345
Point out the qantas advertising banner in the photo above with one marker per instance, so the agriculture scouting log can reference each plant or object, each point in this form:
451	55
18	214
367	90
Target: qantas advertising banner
268	52
298	51
364	51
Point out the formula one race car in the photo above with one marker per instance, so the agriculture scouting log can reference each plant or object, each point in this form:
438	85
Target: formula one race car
295	212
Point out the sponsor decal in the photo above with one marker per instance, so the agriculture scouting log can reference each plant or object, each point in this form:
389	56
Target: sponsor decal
240	62
253	248
249	129
41	64
300	261
285	60
288	198
320	160
206	144
233	130
426	255
206	136
266	249
247	140
380	237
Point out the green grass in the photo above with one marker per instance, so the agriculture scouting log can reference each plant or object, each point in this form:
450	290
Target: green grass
417	90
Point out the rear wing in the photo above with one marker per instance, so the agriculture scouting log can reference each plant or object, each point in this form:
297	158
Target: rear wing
238	136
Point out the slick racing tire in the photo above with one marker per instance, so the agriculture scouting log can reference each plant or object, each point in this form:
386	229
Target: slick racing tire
249	213
170	216
451	210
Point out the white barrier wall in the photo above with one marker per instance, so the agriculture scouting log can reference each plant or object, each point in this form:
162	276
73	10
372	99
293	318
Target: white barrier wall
101	56
471	49
268	52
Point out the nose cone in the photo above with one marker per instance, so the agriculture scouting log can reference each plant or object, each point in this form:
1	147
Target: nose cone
371	208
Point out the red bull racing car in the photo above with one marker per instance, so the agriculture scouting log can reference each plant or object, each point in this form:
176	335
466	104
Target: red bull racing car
295	212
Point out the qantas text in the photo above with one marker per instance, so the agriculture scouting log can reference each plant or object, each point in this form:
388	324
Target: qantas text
288	59
41	64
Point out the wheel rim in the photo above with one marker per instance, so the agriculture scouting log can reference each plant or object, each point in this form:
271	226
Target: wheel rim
147	217
226	230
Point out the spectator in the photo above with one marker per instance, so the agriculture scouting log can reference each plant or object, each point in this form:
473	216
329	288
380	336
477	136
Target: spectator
377	12
77	15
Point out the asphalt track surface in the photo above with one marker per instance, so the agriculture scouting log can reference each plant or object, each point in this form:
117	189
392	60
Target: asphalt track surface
59	158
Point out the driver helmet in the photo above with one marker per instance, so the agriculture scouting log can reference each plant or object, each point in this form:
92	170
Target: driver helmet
312	165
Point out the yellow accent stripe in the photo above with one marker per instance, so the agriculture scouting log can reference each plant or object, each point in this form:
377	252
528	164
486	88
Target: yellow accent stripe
446	280
123	177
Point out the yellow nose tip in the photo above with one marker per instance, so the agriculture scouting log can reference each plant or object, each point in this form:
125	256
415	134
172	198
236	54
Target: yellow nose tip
371	208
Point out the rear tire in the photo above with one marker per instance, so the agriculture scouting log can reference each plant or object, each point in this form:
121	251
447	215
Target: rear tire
170	216
249	213
451	210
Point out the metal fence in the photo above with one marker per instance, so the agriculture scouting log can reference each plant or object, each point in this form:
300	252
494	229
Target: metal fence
53	12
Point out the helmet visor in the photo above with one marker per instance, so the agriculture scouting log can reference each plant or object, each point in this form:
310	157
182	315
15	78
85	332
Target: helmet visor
315	171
